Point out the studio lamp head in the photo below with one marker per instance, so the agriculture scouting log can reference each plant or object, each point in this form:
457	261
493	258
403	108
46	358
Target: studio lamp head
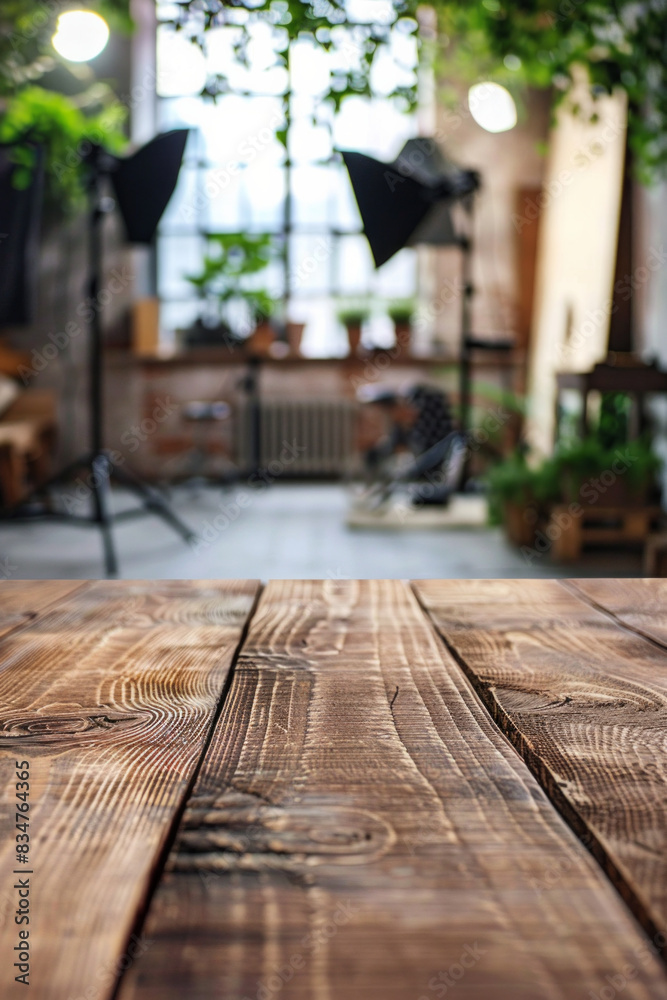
143	182
408	201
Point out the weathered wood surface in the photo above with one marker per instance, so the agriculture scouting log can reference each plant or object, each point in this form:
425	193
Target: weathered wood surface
360	828
638	604
21	601
585	702
110	694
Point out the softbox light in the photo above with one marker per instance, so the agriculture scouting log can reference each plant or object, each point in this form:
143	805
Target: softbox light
20	216
144	182
408	201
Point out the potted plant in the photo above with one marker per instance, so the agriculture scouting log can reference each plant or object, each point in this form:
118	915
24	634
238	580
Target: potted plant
402	312
520	495
353	318
236	307
263	335
593	474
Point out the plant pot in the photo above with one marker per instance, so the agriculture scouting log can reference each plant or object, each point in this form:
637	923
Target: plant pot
403	334
201	334
595	492
294	337
521	521
353	338
260	339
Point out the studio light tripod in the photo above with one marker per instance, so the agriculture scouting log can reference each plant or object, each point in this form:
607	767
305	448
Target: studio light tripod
143	185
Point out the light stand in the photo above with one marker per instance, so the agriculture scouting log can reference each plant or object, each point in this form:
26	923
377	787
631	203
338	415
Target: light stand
408	202
98	462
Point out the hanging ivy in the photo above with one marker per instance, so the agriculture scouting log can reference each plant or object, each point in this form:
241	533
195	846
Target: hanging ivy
540	42
320	20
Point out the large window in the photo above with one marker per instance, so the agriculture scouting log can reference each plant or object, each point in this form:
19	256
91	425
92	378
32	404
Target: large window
262	159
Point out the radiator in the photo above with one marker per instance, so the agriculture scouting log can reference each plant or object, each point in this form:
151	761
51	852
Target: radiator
308	437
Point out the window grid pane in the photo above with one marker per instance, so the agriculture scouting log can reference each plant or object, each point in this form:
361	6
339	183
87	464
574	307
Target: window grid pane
234	179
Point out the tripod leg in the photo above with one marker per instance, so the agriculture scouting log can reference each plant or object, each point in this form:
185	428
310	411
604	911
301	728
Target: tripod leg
101	468
154	501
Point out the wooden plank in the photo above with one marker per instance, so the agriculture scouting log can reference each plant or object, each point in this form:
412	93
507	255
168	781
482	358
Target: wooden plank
110	695
638	604
22	600
360	828
585	702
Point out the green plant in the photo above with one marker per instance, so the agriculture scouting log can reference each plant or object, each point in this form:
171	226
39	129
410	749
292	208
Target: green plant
353	315
402	311
541	42
62	128
514	481
613	423
229	272
321	23
579	470
581	462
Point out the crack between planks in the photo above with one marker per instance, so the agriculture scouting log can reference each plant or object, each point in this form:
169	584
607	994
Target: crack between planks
571	587
158	867
548	782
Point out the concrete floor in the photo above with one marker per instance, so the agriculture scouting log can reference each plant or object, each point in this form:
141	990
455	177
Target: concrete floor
287	531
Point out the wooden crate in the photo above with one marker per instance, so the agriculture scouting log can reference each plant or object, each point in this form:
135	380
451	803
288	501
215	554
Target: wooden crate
27	440
595	525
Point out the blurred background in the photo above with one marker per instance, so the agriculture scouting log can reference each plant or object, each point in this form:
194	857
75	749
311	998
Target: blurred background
332	288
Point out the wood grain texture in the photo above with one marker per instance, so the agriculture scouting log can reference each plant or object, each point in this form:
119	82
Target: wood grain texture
638	604
361	830
22	600
585	702
110	694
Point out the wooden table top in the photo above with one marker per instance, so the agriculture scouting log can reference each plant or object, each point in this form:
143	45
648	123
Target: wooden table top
324	790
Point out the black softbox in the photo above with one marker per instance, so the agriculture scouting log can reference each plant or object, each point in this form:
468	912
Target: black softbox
144	182
20	215
408	201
